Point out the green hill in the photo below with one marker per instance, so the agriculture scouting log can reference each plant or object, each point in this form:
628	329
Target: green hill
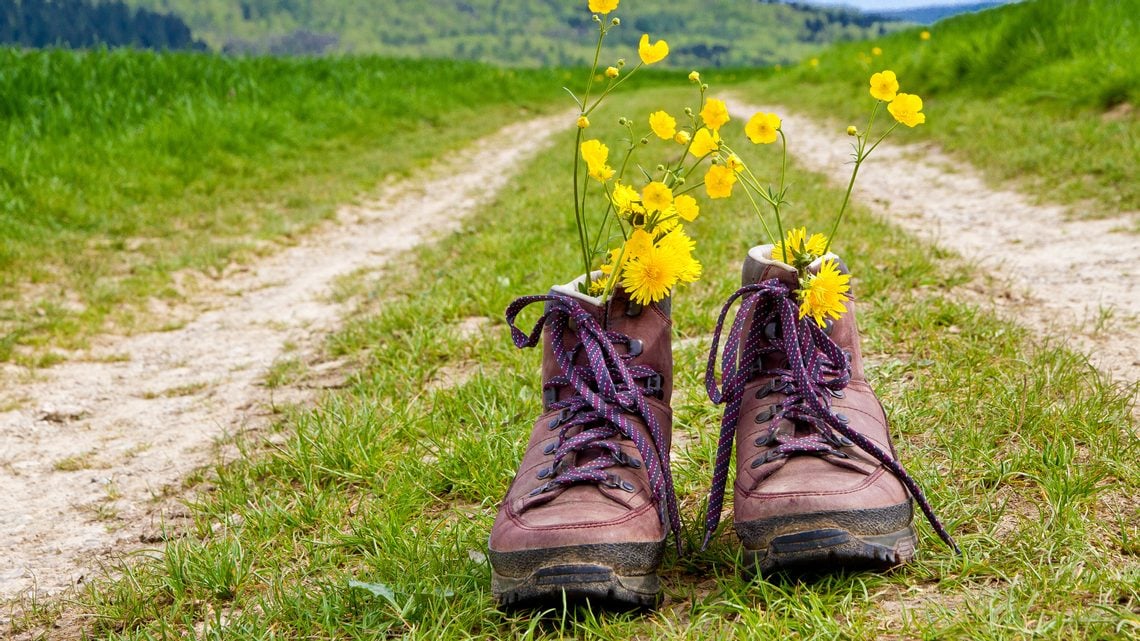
522	32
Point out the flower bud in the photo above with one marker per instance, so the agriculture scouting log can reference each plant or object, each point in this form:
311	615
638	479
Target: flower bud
597	19
612	72
645	141
705	87
852	131
615	22
681	137
694	76
583	122
623	121
680	180
620	62
688	112
660	167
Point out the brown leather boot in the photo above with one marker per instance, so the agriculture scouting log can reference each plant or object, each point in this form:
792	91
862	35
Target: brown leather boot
818	486
589	510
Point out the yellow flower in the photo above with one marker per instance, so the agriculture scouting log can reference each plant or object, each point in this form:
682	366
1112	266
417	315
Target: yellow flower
762	128
612	72
734	163
714	113
719	181
800	248
907	109
650	276
686	207
875	51
705	142
603	6
852	131
681	137
884	86
626	199
595	154
925	35
694	76
651	53
662	124
678	244
656	196
822	295
814	62
640	243
583	122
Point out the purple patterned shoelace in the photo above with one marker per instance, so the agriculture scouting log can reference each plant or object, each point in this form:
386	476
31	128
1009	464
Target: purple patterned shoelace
816	369
607	392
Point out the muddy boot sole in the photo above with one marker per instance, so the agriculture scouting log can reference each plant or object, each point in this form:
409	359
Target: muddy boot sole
619	576
826	542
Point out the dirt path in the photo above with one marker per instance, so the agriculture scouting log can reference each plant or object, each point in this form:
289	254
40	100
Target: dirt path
1075	279
97	442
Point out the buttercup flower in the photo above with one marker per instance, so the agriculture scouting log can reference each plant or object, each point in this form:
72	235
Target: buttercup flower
734	163
681	137
875	51
884	86
714	114
719	181
612	72
651	53
705	142
649	277
762	128
603	6
656	196
822	295
583	122
626	199
907	109
662	124
694	76
686	207
925	35
852	131
595	154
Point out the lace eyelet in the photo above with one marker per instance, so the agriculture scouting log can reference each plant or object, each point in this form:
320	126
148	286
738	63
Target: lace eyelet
550	448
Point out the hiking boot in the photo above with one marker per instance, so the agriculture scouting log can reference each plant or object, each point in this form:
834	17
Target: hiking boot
818	486
589	510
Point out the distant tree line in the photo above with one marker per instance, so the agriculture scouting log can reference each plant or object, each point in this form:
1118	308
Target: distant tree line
83	23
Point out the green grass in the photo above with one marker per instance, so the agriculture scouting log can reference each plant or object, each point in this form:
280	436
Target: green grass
120	168
1043	93
371	519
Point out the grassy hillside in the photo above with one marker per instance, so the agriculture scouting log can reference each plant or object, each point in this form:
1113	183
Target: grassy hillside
1044	92
120	167
522	32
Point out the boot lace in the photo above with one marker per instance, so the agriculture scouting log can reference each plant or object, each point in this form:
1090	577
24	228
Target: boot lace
607	392
816	370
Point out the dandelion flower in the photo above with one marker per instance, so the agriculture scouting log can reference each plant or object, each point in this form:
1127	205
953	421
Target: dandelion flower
714	113
800	248
662	124
907	109
651	53
719	181
705	142
679	246
649	277
640	243
822	295
686	207
762	128
884	86
603	6
656	196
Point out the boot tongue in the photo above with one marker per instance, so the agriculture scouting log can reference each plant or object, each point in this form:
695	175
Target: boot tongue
759	267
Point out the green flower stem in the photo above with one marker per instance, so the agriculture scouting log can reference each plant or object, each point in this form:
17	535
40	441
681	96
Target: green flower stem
579	207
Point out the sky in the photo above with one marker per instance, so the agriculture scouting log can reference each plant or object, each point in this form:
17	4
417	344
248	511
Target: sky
872	5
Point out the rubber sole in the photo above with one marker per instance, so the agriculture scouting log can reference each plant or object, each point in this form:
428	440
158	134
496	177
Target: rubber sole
617	576
827	542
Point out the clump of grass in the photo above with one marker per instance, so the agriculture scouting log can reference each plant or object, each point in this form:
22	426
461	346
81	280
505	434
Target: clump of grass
121	167
372	518
1044	92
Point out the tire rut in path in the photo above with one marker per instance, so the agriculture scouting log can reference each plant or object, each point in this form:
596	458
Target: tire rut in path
1073	280
95	441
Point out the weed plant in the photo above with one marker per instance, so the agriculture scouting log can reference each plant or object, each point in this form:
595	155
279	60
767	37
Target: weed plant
371	519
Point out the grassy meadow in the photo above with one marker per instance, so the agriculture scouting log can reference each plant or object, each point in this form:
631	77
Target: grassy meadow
371	519
120	168
1042	94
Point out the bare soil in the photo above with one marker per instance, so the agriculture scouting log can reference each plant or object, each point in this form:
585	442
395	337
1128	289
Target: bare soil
92	449
1077	281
